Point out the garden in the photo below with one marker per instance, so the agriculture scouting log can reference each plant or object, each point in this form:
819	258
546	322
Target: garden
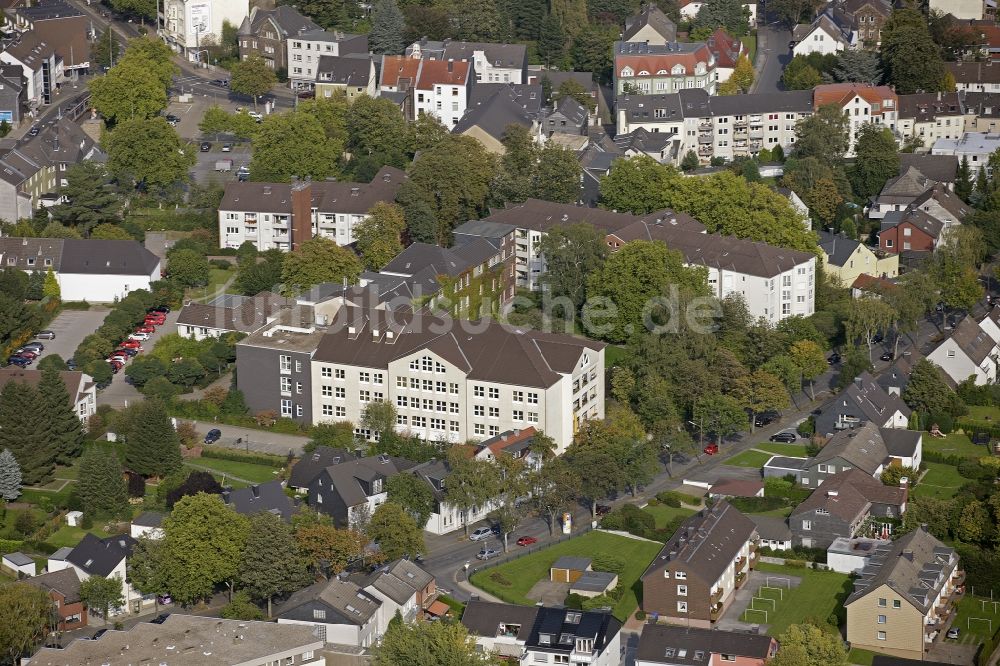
819	596
749	458
511	581
939	481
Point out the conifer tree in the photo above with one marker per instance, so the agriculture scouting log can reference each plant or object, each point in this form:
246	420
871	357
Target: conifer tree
102	484
23	433
388	25
64	425
152	447
10	476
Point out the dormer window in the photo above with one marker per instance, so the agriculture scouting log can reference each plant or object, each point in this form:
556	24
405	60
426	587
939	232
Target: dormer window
627	71
678	69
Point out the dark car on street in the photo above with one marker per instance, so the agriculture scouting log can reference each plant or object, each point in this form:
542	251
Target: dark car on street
784	436
833	358
764	418
213	436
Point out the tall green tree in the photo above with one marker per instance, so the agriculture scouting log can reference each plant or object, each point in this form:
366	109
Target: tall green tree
147	568
155	55
823	135
592	49
720	415
377	237
876	159
470	483
251	76
148	154
555	488
24	434
388	25
293	144
376	128
414	495
870	315
152	447
760	392
858	66
25	618
318	260
799	74
188	267
557	175
102	486
203	542
90	197
271	564
102	594
130	90
215	121
809	645
732	15
808	356
911	59
105	49
479	21
551	40
963	180
395	532
63	422
572	252
429	644
572	15
926	391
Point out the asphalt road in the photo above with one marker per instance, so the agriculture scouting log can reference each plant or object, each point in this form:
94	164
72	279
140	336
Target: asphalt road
773	55
71	327
120	393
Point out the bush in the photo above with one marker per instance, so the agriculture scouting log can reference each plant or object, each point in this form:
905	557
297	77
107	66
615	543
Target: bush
630	518
668	499
808	427
574	601
75	305
220	263
608	562
10	545
944	421
970	468
675	499
758	504
88	521
640	615
947	459
795	564
498	578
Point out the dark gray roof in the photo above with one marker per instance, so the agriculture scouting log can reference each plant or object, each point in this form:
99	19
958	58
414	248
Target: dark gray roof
483	229
399	580
593	581
863	447
772	528
560	626
148	519
570	562
269	497
445	261
849	496
909	183
320	35
654	17
572	110
664	643
785	462
288	19
696	103
345	603
528	95
99	557
18	559
310	465
973	340
863	398
346	477
48	10
495	113
940	168
916	566
499	55
926	107
344	70
901	443
642	140
706	543
65	581
838	247
245	315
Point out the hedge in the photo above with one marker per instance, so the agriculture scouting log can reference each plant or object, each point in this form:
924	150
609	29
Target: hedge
237	456
946	458
75	305
758	504
10	545
973	427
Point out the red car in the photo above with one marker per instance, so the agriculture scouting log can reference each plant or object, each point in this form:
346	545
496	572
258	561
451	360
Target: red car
158	321
526	541
115	366
131	344
711	449
28	354
145	329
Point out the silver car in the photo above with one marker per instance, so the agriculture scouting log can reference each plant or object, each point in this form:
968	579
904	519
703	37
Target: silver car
480	534
487	553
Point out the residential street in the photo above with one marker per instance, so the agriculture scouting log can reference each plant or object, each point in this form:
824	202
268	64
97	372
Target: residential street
772	56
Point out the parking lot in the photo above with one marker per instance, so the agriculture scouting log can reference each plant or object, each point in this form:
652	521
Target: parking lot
120	391
204	171
71	327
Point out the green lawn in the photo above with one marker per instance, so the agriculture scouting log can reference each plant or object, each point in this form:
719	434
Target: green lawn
749	459
70	536
782	512
941	481
666	514
217	277
613	354
512	580
820	594
782	449
955	444
976	631
989	415
8	518
243	470
860	657
750	41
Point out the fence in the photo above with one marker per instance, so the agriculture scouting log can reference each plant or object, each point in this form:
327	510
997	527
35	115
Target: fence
524	552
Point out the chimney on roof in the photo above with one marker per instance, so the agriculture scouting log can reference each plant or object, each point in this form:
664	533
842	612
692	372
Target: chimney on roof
908	554
859	382
451	65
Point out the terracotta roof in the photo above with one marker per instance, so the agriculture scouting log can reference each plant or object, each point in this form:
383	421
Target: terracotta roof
842	93
443	73
508	439
395	68
651	59
725	48
867	282
736	488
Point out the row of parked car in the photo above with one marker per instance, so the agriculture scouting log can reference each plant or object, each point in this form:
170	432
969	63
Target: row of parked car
132	346
26	355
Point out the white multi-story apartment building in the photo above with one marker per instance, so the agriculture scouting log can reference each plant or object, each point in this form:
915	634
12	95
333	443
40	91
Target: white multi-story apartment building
650	69
438	88
493	63
187	25
306	48
282	215
861	103
718	126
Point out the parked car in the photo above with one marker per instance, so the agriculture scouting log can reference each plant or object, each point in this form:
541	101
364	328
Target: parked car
877	338
172	120
139	336
213	436
953	633
227	147
480	534
765	418
71	364
131	344
222	83
833	358
888	356
46	335
155	321
34	346
243	174
127	351
711	449
27	353
19	361
526	541
145	329
603	509
120	357
487	553
162	309
785	436
165	600
34	130
205	146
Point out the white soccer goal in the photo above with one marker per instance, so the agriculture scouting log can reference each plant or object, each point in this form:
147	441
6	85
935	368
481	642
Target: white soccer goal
774	581
753	601
747	612
993	603
779	590
969	621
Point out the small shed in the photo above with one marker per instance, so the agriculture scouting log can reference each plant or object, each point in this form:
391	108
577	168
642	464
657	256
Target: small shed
736	488
568	569
594	583
74	518
19	564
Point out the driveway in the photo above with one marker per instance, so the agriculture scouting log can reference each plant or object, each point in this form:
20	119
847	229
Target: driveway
251	439
121	392
71	327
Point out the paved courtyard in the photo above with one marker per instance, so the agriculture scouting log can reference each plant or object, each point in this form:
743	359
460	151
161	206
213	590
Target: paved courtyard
71	327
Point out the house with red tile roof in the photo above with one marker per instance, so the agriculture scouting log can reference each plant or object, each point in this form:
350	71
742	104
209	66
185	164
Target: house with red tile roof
651	69
727	50
439	88
861	102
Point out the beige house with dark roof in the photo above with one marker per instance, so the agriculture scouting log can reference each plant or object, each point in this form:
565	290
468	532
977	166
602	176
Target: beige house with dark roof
80	387
228	314
650	26
904	596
